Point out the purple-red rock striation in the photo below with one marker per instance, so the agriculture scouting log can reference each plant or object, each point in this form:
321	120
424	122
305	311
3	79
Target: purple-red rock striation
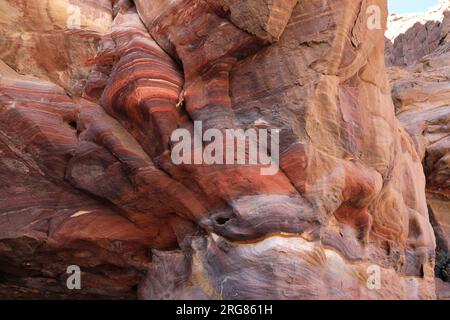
88	178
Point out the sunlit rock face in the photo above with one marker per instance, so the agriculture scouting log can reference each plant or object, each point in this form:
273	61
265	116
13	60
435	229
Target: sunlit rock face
89	180
53	40
412	36
421	93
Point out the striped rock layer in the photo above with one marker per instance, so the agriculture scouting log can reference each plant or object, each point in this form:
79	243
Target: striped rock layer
89	181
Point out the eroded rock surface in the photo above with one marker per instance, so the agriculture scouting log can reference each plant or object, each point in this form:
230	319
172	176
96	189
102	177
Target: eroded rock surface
88	179
53	40
412	36
421	93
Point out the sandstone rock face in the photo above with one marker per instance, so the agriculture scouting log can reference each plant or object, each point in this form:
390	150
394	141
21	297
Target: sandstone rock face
421	93
88	179
53	40
422	98
412	36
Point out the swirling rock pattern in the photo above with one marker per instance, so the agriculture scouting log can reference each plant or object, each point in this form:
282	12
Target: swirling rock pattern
88	177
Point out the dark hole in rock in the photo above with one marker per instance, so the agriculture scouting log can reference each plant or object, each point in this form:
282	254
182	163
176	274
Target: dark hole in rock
73	124
222	220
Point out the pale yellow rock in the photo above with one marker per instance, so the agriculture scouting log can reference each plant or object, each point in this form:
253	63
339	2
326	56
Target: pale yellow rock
53	40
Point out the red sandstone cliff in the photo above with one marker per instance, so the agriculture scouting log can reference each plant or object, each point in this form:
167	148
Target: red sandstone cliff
86	113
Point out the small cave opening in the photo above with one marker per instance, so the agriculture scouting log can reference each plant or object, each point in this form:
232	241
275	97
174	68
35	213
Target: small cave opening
222	220
73	124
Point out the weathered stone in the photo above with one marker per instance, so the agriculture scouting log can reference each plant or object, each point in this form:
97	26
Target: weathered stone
412	36
89	180
421	92
53	40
